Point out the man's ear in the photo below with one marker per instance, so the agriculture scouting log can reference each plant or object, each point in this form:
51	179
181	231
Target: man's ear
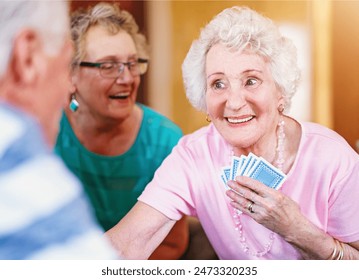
27	45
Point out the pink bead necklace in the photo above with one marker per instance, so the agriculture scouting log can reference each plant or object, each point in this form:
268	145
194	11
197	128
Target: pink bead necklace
236	214
242	239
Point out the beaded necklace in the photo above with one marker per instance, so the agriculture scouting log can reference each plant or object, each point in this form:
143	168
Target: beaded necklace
280	144
236	214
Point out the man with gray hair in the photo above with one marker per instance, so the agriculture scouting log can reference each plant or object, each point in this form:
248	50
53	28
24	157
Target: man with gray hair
44	213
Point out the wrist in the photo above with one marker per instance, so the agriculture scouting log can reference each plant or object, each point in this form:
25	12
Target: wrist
312	242
338	251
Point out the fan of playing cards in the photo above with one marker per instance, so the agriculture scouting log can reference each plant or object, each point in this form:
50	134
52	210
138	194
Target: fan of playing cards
254	167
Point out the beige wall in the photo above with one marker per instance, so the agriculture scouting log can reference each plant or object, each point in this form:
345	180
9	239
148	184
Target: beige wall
345	65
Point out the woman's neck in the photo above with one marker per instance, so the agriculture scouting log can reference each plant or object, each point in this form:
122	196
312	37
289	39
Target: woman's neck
279	148
106	136
264	147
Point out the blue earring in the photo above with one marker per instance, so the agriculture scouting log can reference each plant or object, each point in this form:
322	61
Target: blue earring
74	105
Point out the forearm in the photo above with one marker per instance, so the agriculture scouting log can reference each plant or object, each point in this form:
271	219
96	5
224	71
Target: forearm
313	243
140	232
129	246
175	244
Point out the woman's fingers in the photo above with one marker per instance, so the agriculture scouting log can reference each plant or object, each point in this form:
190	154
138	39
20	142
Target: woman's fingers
252	197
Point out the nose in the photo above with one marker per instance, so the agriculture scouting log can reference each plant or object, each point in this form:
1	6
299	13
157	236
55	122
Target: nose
236	99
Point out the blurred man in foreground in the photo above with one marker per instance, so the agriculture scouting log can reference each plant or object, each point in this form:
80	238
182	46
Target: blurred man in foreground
44	213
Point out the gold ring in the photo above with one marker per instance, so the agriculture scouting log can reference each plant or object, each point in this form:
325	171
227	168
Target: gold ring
250	207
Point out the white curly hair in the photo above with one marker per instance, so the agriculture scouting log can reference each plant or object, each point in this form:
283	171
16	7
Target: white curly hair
241	28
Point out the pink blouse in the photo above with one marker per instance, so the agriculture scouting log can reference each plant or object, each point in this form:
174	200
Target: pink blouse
324	181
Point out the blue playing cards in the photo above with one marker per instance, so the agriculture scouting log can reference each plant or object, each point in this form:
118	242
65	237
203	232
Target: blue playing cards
254	167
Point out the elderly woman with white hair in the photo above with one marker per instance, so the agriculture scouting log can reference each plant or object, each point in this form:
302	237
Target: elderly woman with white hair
242	73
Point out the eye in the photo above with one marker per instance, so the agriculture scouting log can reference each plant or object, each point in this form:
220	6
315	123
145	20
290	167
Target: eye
218	84
252	82
132	64
107	65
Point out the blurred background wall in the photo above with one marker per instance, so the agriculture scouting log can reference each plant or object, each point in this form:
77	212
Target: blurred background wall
325	32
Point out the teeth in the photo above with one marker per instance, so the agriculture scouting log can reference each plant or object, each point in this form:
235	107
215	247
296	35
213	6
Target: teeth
122	94
239	120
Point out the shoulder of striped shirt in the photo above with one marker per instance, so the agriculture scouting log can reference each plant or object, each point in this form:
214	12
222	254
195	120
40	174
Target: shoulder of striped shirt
39	192
38	188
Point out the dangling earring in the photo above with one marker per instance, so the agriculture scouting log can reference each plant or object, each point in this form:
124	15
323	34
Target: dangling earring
208	118
281	108
280	139
74	104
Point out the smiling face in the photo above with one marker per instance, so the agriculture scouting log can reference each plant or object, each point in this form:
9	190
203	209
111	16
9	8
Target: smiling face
241	97
103	97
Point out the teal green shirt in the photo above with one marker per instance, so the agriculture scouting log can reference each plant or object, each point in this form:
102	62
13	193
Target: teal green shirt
113	183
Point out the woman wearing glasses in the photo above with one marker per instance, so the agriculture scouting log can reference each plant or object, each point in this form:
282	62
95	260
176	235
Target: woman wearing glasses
113	144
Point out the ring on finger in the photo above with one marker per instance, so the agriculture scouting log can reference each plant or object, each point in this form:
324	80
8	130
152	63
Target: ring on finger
250	207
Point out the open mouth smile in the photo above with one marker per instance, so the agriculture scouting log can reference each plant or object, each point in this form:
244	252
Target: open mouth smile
122	95
239	120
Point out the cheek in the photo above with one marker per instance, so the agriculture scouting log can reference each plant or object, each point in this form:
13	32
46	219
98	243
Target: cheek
266	112
91	84
215	105
136	83
263	102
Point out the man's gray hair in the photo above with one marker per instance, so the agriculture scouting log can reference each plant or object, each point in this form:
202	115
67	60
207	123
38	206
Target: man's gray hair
49	18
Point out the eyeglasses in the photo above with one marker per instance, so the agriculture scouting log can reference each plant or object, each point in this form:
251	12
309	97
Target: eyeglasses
113	69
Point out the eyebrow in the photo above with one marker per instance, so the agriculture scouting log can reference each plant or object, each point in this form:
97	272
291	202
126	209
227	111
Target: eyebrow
253	70
115	58
244	72
216	73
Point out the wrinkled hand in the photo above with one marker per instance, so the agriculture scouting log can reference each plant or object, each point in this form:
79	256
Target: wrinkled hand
270	208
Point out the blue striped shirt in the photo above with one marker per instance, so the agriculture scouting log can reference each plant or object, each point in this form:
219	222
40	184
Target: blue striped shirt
44	213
